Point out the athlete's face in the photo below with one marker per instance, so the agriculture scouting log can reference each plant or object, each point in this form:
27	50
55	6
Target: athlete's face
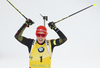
41	36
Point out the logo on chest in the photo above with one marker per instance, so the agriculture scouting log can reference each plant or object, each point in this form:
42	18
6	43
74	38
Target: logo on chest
41	49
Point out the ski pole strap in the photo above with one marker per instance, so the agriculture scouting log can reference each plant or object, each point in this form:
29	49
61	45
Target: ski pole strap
75	13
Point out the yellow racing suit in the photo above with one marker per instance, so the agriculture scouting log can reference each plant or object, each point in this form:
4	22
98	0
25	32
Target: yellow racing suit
40	54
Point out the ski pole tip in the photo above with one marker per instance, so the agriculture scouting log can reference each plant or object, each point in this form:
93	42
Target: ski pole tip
95	5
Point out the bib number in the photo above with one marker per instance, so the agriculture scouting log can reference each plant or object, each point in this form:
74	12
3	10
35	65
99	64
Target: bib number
40	58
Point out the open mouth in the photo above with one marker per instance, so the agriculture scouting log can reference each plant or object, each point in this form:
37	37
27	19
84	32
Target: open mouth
40	39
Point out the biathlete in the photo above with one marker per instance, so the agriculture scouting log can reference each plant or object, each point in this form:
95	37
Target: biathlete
40	50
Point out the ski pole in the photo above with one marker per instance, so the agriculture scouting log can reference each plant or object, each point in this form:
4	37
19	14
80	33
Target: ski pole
16	9
75	13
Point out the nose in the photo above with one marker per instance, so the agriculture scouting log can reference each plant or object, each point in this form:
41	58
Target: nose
40	36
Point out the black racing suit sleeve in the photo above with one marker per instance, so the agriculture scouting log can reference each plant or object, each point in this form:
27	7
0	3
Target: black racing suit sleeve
22	39
56	42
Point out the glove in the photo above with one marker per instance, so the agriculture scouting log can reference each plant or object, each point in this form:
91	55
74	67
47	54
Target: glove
29	22
52	25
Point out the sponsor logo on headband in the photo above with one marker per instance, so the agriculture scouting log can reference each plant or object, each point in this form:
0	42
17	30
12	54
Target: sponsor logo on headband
41	30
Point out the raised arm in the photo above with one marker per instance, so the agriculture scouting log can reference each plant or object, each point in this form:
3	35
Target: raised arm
19	33
62	38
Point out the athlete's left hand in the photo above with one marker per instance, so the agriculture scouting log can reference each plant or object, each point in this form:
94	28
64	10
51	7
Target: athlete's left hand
52	25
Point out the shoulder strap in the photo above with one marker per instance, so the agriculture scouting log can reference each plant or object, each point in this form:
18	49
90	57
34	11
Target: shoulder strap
32	45
47	44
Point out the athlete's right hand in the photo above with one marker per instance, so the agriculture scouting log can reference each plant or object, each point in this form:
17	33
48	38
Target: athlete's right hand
29	22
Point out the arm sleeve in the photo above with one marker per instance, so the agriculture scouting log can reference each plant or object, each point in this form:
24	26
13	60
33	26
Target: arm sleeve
22	39
62	38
